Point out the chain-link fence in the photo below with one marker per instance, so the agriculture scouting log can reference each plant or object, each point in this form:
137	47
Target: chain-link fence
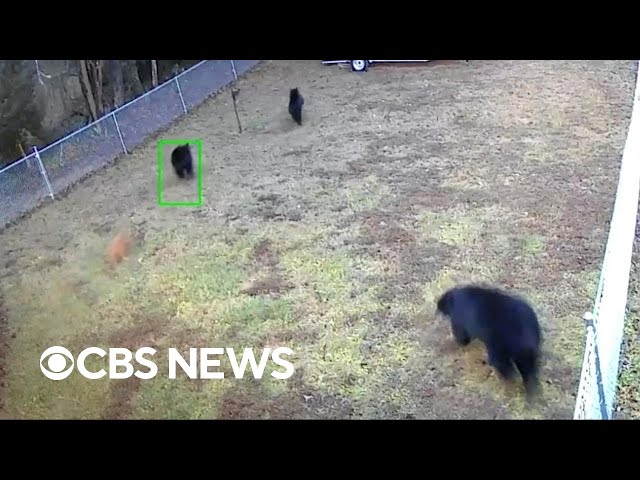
28	182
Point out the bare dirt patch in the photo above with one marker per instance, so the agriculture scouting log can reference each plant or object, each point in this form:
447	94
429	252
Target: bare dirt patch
123	392
270	282
400	182
265	255
247	401
269	285
384	228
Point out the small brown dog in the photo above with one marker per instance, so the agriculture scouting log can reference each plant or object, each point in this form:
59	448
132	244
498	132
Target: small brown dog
118	249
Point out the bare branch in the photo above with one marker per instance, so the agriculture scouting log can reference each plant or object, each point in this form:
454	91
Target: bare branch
41	74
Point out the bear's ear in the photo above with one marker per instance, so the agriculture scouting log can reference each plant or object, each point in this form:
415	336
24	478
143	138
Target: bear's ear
440	304
444	302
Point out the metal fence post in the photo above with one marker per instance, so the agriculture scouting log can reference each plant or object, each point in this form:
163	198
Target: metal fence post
115	120
43	171
184	106
233	67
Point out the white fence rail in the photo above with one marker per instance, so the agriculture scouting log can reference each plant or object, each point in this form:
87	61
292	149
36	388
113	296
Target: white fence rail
605	325
27	183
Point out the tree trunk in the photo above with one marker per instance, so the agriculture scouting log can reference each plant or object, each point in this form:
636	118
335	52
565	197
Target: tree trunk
116	81
25	137
154	73
131	77
99	102
87	90
97	78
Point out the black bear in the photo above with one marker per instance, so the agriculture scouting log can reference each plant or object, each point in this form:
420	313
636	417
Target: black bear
506	324
182	161
295	105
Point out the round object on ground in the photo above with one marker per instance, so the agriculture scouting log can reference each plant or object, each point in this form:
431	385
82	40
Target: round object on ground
359	65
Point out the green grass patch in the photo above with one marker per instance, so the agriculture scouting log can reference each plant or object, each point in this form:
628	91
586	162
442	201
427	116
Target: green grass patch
533	245
629	376
364	194
180	398
451	227
356	349
179	281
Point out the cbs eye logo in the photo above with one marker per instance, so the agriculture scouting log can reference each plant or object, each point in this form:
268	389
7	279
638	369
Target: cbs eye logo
55	366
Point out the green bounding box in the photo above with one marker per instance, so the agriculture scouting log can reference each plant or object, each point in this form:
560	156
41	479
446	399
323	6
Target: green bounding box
176	142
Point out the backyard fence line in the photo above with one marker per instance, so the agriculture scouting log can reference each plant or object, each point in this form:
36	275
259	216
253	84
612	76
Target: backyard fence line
28	182
605	324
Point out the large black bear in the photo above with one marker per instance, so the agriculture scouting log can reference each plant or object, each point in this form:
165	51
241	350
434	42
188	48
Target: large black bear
295	105
182	161
506	324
